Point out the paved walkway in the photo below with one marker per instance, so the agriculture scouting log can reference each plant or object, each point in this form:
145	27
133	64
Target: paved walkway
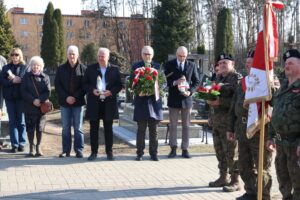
71	178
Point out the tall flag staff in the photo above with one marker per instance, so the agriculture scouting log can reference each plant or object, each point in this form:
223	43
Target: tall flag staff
260	79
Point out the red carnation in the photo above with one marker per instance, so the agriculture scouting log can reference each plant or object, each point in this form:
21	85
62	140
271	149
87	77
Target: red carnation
155	73
149	78
142	73
148	69
135	80
136	71
216	87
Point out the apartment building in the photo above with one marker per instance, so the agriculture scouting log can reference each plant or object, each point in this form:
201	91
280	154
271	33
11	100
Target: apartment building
127	35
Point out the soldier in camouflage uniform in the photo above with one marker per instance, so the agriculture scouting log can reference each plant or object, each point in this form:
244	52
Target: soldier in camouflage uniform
248	148
226	152
284	129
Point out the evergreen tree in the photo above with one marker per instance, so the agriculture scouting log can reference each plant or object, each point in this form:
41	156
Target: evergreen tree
61	42
7	40
224	36
55	46
47	46
89	54
171	27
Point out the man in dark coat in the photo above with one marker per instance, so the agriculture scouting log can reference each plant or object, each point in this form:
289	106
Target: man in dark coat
147	111
179	101
102	83
70	91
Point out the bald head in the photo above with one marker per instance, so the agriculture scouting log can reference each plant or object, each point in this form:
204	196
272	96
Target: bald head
181	54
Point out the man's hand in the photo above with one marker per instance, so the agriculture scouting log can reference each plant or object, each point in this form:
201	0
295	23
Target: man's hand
230	136
107	93
70	100
213	103
16	79
187	93
37	102
298	151
96	92
271	146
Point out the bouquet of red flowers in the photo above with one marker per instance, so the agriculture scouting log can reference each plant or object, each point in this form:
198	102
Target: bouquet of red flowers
145	81
210	91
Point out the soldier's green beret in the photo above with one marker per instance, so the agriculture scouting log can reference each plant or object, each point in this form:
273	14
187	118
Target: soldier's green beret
225	56
291	53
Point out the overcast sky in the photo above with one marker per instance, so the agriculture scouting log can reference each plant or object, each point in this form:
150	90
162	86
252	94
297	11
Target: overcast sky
39	6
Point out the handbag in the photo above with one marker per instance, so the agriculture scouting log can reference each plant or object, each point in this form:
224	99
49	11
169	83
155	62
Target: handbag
46	106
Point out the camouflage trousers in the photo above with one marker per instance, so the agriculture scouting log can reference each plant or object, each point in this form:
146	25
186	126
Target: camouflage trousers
248	165
226	152
288	172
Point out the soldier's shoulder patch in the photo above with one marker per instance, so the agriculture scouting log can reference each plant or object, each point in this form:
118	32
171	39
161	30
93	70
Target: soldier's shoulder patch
296	90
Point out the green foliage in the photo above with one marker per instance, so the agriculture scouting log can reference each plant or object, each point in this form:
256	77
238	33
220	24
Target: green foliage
89	54
7	40
54	99
201	49
53	48
117	59
224	36
171	27
61	42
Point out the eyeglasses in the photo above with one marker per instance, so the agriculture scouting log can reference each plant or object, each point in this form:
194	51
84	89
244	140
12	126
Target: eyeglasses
14	54
147	54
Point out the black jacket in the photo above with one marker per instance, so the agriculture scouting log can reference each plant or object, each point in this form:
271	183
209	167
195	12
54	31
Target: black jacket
12	91
113	84
63	84
172	72
29	93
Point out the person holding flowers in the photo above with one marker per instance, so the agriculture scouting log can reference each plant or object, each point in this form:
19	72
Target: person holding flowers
182	80
147	102
226	151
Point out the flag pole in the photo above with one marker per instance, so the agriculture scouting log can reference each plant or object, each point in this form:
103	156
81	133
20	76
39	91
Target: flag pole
263	111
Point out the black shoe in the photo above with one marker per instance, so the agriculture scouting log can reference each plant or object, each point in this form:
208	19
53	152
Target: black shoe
185	154
14	150
247	197
154	157
63	155
93	156
110	156
79	154
172	154
139	158
21	149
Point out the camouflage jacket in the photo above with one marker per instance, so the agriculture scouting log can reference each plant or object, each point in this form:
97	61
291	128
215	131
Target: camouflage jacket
238	115
285	122
219	113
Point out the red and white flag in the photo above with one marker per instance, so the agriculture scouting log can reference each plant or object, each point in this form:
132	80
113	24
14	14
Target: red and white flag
261	74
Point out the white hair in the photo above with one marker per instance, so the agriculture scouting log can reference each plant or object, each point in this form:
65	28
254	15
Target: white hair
149	48
182	49
103	49
36	60
73	48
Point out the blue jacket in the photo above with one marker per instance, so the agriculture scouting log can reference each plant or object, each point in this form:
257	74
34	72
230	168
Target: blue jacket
146	107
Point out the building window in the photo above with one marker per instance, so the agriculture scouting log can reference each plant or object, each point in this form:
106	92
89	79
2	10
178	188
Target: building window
25	47
41	34
40	21
69	35
86	23
23	21
24	34
121	25
69	22
105	24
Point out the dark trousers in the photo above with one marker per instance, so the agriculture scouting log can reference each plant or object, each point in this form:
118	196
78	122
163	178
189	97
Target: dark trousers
108	135
140	137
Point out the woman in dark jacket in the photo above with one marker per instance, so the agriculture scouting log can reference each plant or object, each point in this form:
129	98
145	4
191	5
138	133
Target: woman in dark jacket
35	89
11	78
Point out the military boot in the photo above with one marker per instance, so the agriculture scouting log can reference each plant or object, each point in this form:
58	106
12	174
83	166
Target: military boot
220	182
234	184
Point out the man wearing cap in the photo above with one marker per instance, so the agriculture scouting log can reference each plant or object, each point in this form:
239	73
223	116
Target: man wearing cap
248	148
284	129
226	151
